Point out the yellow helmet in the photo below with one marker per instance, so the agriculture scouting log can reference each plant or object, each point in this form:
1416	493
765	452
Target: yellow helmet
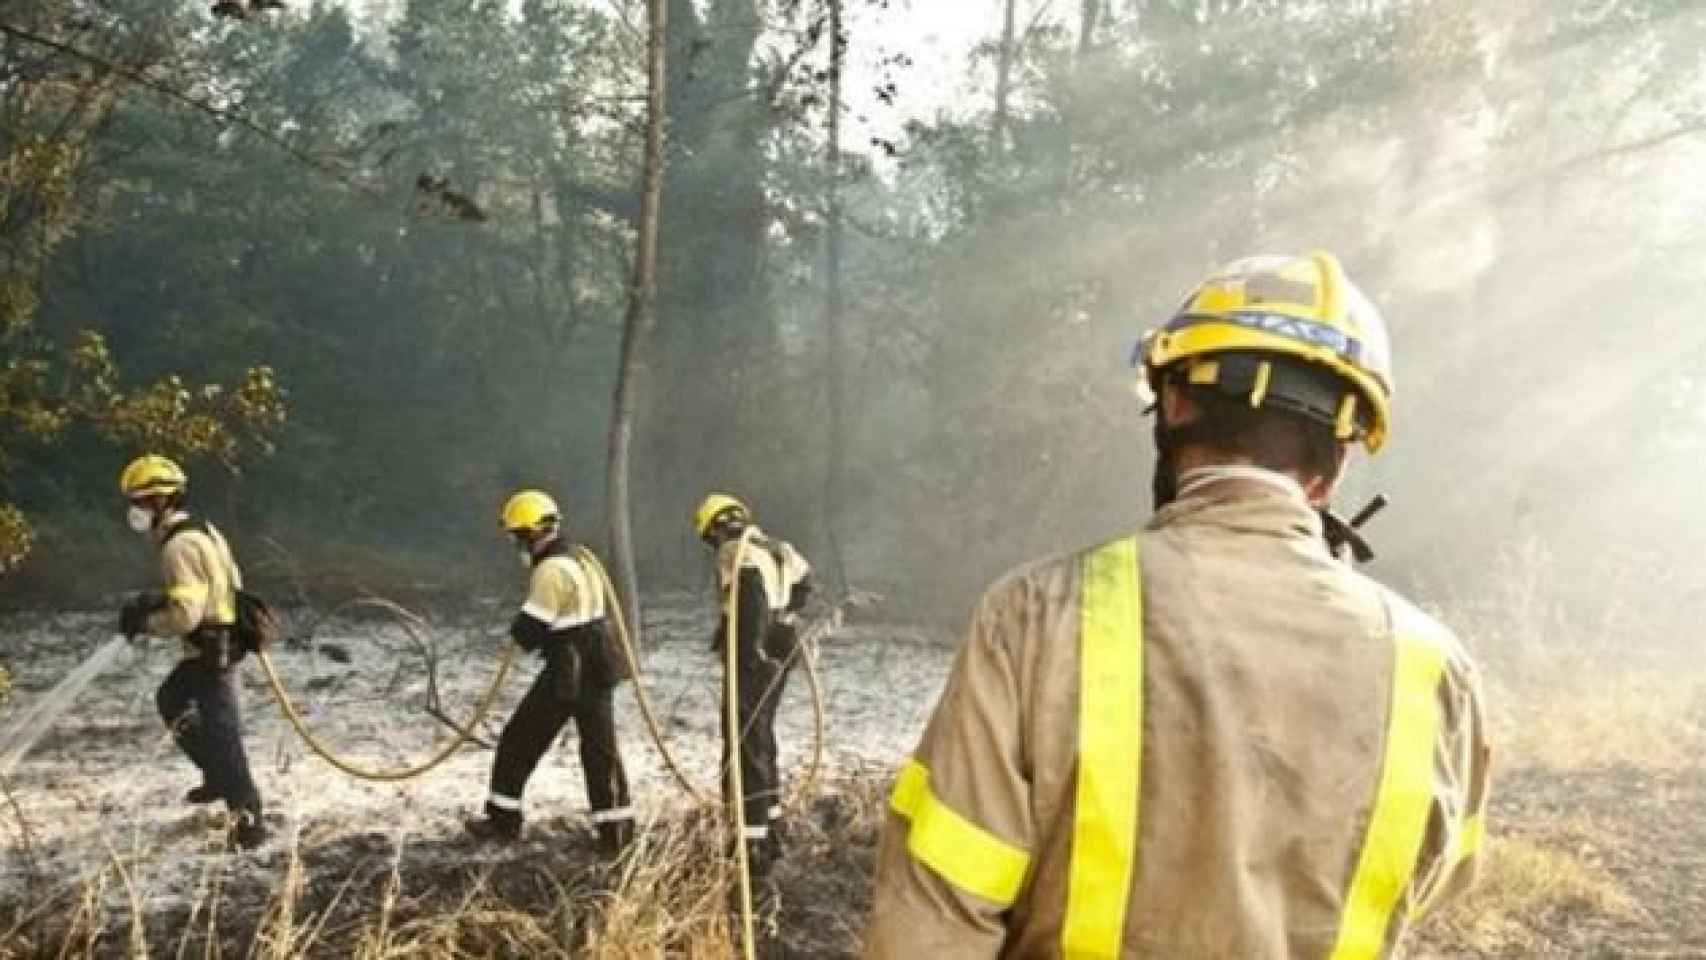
529	510
152	474
714	507
1301	308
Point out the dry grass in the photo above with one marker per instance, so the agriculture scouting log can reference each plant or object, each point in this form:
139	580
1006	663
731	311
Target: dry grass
1580	714
1525	888
668	896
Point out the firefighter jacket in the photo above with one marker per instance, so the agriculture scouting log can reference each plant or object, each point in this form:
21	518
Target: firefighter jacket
783	573
199	578
1208	740
565	600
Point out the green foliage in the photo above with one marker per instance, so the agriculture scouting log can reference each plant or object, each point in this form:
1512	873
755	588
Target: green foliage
1495	175
49	126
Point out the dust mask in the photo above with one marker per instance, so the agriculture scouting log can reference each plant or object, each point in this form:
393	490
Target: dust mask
526	558
141	519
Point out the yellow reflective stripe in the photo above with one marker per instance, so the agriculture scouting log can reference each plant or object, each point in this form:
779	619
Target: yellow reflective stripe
961	852
1110	751
1403	801
187	592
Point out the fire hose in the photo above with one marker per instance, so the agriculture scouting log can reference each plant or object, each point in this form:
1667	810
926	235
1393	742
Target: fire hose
464	731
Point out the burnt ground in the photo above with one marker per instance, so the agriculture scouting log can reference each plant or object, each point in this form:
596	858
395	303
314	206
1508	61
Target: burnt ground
102	789
1644	830
556	875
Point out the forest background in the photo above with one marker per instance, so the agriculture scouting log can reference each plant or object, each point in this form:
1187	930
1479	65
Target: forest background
396	238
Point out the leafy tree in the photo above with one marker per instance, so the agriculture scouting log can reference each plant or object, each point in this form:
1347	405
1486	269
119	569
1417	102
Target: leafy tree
54	101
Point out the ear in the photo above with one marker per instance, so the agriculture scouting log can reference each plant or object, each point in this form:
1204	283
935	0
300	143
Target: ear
1174	403
1320	490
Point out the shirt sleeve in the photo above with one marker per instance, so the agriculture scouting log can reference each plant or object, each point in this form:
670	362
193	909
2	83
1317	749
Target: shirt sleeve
186	584
1453	850
955	851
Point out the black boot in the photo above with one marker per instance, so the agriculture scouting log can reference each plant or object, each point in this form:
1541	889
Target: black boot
502	826
247	831
615	836
202	794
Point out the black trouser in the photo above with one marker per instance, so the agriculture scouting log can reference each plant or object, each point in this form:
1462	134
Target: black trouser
762	671
578	682
198	702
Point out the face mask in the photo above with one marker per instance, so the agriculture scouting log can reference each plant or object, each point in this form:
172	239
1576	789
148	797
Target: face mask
526	558
141	519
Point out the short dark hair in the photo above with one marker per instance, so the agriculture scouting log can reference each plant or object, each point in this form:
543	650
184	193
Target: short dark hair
1266	436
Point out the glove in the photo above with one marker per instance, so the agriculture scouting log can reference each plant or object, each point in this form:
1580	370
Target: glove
133	616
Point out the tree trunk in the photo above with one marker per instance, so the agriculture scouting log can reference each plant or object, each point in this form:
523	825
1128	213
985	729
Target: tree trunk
1089	14
1003	81
835	336
636	324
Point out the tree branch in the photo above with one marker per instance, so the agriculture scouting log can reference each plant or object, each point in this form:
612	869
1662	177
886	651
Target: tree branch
137	78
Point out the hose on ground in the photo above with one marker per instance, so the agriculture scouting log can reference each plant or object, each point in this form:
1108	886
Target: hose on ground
463	732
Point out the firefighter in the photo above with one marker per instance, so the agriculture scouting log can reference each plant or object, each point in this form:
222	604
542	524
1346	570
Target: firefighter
775	581
198	602
1212	738
562	620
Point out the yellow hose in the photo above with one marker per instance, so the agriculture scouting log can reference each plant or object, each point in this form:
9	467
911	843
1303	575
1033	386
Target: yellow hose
488	699
731	695
464	732
626	640
614	604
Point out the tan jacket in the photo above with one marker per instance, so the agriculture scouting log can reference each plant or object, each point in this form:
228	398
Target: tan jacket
198	577
1267	817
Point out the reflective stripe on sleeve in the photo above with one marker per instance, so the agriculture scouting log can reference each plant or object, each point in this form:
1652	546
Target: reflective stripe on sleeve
613	815
1110	751
961	852
1402	802
187	592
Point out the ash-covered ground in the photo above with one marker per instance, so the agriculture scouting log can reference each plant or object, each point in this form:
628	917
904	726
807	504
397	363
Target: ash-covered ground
105	784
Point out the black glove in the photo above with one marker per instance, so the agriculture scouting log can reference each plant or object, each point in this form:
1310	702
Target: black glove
133	616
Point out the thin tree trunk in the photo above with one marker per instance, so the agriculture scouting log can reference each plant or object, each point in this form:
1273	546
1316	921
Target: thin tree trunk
1089	13
835	339
637	323
1003	80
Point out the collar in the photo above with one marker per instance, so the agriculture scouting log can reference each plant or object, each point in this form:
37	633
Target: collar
1259	502
1201	477
165	524
554	547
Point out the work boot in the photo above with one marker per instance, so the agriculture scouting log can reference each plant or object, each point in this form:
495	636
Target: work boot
202	794
761	858
615	836
248	832
495	827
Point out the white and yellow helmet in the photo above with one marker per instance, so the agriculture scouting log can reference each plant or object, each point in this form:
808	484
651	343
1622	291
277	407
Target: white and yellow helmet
152	475
1286	308
529	511
715	507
